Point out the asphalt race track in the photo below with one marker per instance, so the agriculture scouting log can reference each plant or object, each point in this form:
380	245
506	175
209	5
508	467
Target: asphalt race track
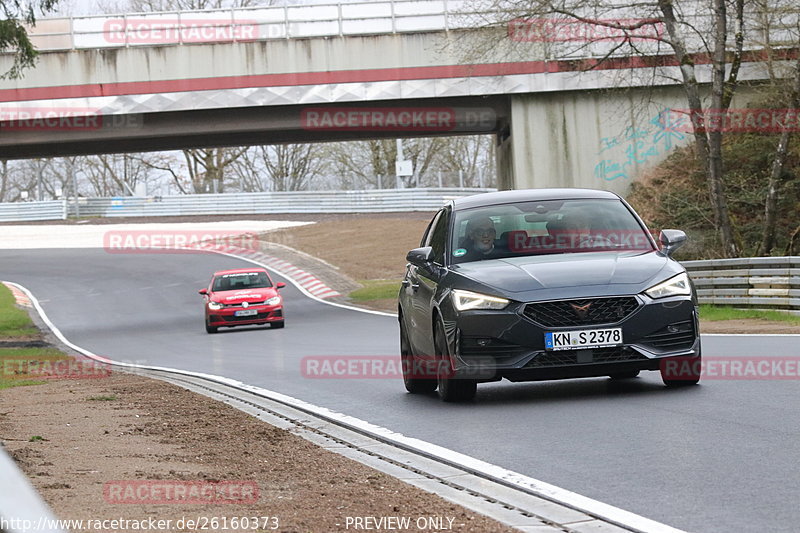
718	457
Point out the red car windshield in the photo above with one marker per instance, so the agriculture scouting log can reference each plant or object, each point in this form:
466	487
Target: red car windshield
546	227
241	280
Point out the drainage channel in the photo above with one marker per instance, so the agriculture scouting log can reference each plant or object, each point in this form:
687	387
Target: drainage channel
508	505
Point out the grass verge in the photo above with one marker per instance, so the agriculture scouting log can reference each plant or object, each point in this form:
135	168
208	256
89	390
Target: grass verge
22	366
14	322
715	313
26	366
376	289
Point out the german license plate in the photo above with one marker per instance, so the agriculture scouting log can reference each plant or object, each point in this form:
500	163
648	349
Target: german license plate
583	338
246	312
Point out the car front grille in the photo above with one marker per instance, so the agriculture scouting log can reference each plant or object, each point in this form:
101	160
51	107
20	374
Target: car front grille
672	338
587	312
249	304
231	318
614	354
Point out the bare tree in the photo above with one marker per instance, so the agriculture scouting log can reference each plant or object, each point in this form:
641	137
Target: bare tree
186	5
472	156
5	179
372	163
282	167
697	32
783	93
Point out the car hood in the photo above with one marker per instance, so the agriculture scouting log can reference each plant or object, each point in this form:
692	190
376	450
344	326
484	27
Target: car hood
634	271
244	295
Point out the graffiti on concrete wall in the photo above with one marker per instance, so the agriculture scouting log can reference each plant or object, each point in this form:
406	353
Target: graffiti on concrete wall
637	146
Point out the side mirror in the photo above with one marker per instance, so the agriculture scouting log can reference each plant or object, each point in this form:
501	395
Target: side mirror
671	240
420	256
280	285
203	291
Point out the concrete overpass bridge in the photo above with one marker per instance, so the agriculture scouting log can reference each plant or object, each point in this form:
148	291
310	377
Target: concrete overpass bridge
394	68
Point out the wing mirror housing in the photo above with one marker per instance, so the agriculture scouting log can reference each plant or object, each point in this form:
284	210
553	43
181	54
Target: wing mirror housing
203	291
420	256
280	285
671	240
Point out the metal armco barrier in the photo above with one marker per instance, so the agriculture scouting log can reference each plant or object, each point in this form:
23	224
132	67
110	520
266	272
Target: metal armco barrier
369	201
757	282
26	211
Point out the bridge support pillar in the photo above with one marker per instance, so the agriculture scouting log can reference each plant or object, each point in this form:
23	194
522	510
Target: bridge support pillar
595	139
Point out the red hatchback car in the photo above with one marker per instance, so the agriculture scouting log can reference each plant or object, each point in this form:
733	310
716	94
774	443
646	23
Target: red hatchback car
242	297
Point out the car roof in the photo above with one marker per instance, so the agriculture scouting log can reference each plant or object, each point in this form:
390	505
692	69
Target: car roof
239	271
529	195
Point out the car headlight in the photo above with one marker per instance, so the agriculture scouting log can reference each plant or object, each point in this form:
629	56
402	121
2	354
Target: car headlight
675	286
214	306
275	300
466	300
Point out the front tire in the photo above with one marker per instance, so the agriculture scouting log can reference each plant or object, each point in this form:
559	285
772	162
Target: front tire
451	389
413	383
276	325
210	328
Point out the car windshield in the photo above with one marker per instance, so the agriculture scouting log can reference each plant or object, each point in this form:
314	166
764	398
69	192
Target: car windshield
241	280
546	227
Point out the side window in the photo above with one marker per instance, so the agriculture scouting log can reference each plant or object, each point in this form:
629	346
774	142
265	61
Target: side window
427	234
438	236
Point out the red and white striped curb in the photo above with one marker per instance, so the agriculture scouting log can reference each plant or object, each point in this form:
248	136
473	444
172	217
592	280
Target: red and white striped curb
306	280
21	298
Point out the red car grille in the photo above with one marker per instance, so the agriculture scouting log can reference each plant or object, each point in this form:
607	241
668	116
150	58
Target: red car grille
240	305
231	318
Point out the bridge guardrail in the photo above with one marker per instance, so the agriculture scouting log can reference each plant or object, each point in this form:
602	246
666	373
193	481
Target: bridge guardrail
250	24
330	19
756	282
364	201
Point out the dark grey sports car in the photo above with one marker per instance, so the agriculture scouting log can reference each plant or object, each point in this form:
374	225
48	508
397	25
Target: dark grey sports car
544	284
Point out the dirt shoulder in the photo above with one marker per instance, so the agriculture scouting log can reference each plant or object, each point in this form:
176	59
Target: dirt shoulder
95	447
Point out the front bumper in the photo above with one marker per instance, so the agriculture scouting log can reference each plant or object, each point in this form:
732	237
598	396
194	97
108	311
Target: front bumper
226	317
492	345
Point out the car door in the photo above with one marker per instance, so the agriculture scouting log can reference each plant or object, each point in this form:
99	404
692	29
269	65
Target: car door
424	282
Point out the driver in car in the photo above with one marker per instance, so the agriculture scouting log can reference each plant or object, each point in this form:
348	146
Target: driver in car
480	241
